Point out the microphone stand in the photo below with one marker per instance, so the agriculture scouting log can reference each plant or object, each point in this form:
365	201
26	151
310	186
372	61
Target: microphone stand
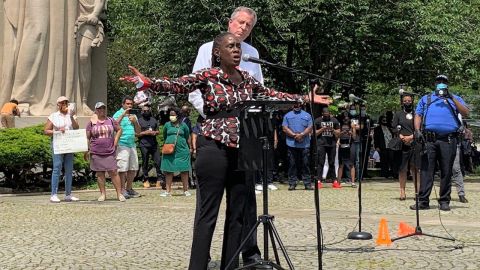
361	235
313	151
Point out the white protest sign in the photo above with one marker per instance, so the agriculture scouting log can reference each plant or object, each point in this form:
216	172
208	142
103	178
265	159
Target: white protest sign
72	141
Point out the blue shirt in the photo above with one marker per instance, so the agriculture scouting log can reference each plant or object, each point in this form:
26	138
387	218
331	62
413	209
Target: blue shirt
128	130
439	117
298	122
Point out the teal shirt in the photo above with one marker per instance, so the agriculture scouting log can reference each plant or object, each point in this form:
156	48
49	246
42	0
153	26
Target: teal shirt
128	130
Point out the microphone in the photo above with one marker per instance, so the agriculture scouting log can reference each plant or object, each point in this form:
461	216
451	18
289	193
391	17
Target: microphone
352	97
399	127
247	58
403	92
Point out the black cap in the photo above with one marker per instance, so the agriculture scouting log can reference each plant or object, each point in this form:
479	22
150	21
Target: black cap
441	77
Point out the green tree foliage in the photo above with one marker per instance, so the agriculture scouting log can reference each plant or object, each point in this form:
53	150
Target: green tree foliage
373	44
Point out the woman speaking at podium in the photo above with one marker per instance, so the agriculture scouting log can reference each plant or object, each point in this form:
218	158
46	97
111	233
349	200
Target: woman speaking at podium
223	86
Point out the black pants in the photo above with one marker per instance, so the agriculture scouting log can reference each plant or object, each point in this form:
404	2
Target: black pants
443	151
148	152
216	168
331	152
298	160
364	154
386	162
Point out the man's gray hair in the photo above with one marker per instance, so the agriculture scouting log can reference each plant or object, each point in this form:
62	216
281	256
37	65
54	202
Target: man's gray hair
247	10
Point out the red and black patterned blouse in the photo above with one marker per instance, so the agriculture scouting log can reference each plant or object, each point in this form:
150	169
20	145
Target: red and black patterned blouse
220	94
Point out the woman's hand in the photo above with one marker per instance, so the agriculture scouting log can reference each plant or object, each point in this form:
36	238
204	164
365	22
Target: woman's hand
318	99
141	81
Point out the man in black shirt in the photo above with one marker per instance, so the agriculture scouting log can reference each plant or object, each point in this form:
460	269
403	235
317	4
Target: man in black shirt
327	129
148	144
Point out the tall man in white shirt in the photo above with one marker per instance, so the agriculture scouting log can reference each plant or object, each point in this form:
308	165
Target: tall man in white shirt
240	24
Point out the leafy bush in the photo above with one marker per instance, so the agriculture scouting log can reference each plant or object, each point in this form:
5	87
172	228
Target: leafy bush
26	156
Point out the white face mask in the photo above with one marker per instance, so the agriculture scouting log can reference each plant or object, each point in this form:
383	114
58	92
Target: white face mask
173	118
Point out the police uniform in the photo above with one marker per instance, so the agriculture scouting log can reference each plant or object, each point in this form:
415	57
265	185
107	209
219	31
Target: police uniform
440	129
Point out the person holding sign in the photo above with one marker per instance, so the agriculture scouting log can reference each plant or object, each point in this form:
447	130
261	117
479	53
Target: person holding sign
177	133
60	121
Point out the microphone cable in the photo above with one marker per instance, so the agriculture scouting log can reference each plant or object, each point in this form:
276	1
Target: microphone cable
439	214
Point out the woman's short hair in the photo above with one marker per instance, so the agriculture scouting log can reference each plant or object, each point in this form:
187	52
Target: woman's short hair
216	44
246	10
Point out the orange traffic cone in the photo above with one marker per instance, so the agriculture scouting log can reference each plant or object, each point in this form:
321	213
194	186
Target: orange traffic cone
336	184
319	184
404	229
383	237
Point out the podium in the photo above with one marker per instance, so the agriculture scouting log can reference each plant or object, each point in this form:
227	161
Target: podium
255	130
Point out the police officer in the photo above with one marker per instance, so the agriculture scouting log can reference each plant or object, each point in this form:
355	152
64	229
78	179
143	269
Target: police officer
437	125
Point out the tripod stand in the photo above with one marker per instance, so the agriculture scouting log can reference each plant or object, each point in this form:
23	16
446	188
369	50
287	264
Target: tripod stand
270	233
418	229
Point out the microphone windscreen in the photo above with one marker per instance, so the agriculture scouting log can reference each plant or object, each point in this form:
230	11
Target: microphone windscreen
246	57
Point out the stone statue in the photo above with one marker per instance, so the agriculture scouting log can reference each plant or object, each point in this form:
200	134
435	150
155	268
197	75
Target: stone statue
89	34
39	56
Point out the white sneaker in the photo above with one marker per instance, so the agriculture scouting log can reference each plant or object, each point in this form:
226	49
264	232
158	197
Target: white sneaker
54	199
187	194
101	198
272	187
165	194
258	187
70	198
258	192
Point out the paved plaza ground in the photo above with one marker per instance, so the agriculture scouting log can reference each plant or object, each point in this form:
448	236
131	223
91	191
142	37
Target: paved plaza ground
152	232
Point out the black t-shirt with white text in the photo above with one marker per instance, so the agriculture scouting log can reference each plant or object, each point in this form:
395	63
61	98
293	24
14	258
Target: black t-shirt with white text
327	137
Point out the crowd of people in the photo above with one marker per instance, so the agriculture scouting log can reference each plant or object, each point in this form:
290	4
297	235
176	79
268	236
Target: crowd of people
212	148
112	148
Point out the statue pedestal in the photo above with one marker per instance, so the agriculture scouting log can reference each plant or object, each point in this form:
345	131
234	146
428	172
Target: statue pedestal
28	121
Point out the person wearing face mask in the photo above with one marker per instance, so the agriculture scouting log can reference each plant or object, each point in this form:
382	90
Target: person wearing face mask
438	127
381	138
362	139
327	129
297	125
403	126
60	121
176	132
365	138
149	146
185	118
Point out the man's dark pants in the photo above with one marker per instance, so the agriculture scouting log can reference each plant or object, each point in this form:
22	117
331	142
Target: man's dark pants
444	151
331	152
298	160
146	153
